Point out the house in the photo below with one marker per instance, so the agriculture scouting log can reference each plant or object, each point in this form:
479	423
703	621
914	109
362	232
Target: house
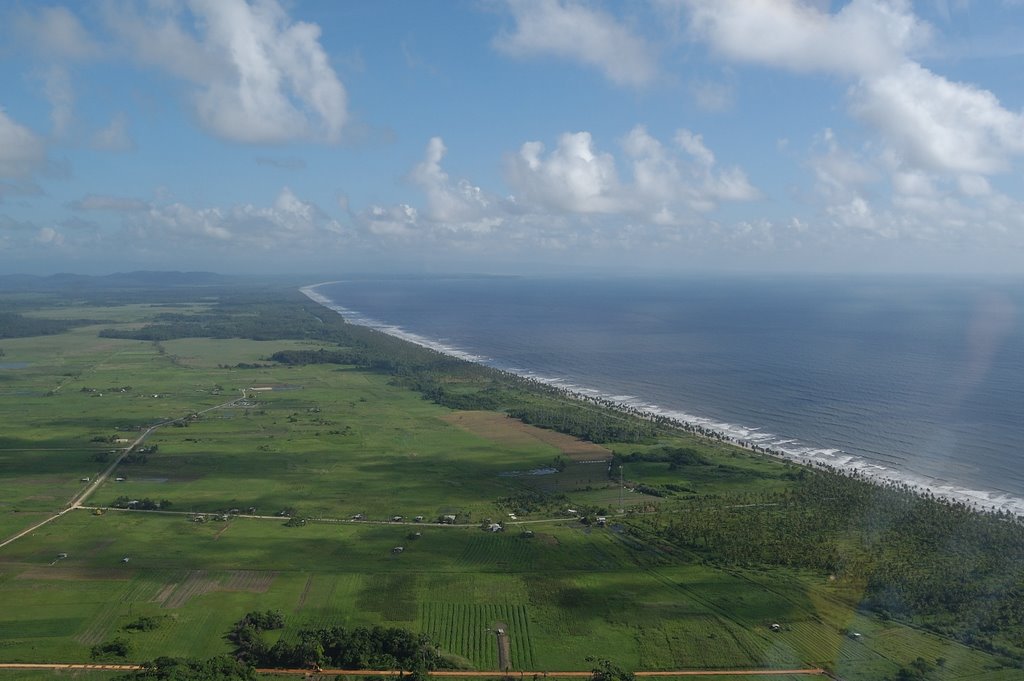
512	516
776	627
396	518
359	516
84	480
448	519
571	511
398	549
495	527
601	520
118	479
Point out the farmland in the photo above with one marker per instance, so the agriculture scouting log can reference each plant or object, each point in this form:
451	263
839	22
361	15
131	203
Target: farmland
324	442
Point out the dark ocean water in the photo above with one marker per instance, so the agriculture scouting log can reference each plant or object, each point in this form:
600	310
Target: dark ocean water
911	379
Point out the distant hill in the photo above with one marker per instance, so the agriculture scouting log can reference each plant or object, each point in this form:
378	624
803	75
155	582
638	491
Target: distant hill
119	280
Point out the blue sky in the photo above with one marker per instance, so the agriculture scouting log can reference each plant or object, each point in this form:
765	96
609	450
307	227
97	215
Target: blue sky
491	136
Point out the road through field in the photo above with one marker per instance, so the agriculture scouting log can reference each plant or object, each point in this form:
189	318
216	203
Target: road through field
55	666
76	501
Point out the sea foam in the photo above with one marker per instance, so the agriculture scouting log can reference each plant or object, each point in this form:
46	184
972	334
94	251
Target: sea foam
786	447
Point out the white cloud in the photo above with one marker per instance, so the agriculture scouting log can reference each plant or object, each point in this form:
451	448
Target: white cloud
865	36
22	152
668	185
49	236
289	225
932	122
462	204
114	137
58	90
55	33
576	31
259	77
939	124
573	178
390	221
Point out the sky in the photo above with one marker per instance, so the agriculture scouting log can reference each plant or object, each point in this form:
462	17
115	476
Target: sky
492	136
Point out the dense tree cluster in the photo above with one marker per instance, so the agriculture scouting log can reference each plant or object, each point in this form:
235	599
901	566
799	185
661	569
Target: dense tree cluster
14	325
340	647
585	423
917	557
112	649
146	504
222	668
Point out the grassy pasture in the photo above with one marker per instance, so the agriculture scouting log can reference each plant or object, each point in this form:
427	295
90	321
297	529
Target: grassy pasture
340	441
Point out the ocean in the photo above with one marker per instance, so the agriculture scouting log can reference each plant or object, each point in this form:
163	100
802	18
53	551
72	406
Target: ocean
906	379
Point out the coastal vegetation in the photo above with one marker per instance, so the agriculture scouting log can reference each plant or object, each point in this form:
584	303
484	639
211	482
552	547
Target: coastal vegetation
270	409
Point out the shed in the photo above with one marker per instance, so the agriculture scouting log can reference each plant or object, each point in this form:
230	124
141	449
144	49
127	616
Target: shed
398	549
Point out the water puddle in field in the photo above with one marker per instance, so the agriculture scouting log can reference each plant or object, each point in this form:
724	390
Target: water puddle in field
13	365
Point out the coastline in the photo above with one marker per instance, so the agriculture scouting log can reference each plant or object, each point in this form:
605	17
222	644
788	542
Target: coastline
749	438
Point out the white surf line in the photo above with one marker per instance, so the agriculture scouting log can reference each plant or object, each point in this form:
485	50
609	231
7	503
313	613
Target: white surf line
740	436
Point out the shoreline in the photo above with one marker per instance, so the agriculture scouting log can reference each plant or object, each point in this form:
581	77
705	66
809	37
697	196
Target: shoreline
748	438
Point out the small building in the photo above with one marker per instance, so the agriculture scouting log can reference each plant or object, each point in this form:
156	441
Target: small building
776	627
396	518
527	534
512	516
418	519
602	521
118	479
359	516
84	480
61	556
398	549
448	519
571	511
495	527
125	559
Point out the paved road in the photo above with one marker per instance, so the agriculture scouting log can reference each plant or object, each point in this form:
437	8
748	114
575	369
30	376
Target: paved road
443	673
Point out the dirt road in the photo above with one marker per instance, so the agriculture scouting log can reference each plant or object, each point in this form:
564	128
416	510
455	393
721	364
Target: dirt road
442	673
77	500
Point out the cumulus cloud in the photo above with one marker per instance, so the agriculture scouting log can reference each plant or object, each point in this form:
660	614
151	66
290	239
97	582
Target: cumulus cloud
576	31
288	225
667	182
259	77
864	36
573	178
460	206
932	122
940	124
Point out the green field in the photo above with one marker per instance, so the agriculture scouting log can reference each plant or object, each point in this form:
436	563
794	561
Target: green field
325	442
